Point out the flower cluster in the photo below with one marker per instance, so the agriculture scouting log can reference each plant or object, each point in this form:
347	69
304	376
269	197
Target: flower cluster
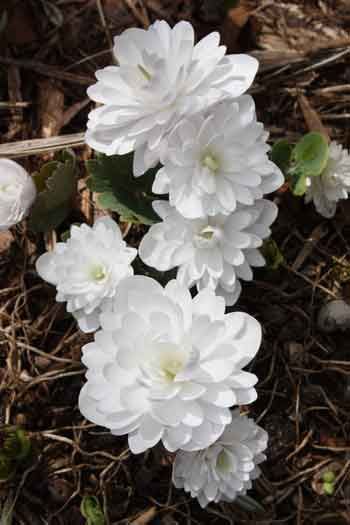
165	366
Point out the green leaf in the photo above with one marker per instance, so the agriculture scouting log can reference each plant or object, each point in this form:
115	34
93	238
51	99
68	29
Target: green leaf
56	184
310	155
281	154
91	510
7	467
328	477
272	254
17	445
298	184
249	504
120	191
328	488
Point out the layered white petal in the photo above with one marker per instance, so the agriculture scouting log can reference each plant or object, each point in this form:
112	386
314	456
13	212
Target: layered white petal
333	184
226	469
168	367
217	159
213	251
17	193
87	269
161	77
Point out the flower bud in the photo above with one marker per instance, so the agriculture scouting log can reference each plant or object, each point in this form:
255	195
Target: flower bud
17	193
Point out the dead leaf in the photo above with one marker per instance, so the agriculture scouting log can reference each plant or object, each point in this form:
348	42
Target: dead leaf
234	22
6	239
51	108
146	517
312	118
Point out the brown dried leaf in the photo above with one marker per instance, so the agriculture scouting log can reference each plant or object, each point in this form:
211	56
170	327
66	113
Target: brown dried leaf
234	22
51	108
145	517
312	118
6	239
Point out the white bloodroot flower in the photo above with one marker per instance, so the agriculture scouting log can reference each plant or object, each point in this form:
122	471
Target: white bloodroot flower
87	269
17	193
213	251
167	367
333	184
162	76
217	159
226	469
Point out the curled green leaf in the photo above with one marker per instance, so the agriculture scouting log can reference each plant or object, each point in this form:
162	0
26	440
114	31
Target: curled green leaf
91	510
272	254
310	155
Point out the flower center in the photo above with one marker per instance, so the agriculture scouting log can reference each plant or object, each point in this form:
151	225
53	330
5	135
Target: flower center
224	462
170	368
207	237
8	188
144	72
166	361
211	162
98	273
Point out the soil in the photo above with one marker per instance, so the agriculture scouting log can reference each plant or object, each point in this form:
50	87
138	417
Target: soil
49	51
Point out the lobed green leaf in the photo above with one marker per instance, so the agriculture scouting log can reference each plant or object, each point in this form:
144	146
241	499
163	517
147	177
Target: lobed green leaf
120	191
56	185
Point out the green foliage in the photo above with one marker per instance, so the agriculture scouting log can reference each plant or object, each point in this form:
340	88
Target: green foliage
56	185
16	444
15	449
272	254
6	509
281	153
328	477
249	504
310	155
328	488
308	158
6	467
91	510
120	191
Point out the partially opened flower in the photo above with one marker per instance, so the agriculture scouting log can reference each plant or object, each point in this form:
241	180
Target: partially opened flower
214	251
333	184
87	269
17	193
226	469
168	367
217	159
162	76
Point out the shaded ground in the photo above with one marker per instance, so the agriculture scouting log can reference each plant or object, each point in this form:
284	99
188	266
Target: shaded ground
49	51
